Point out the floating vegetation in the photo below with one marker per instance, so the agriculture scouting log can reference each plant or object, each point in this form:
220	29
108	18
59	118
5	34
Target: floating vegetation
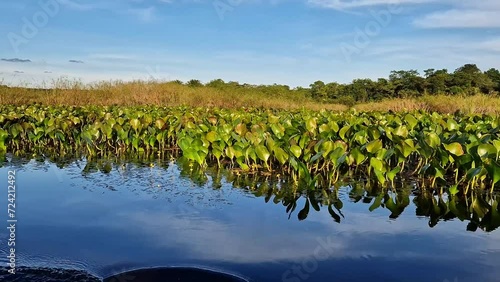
312	148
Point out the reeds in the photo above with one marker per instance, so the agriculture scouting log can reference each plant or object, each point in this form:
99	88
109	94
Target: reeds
137	93
476	104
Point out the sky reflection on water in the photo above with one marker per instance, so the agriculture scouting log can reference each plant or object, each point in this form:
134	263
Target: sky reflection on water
145	217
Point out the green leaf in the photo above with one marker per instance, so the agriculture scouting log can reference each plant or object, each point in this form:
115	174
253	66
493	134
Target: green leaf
243	165
380	176
452	125
433	140
358	156
327	147
377	164
454	148
343	131
317	156
493	169
485	150
324	128
281	155
15	130
333	126
411	120
453	190
230	152
376	204
401	131
374	146
496	143
392	174
473	172
135	123
211	136
262	152
241	129
217	153
273	119
296	150
160	124
3	135
311	125
278	130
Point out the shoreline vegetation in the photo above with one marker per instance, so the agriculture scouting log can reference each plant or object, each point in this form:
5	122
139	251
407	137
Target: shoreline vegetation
467	90
443	130
457	152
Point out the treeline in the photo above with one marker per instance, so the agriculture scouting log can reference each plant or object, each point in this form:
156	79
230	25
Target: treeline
466	80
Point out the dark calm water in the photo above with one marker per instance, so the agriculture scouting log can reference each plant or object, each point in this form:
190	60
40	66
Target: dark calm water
81	224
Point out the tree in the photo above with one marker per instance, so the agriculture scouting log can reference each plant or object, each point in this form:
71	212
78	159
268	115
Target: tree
359	90
436	82
429	72
194	83
382	89
275	90
363	89
318	90
216	83
470	78
494	75
332	90
407	82
177	82
234	84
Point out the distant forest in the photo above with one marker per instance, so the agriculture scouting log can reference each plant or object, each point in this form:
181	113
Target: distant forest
466	80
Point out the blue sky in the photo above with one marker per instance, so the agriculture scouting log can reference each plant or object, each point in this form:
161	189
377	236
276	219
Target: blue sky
292	42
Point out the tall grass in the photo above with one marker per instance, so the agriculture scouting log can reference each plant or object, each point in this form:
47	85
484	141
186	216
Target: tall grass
476	104
76	93
154	93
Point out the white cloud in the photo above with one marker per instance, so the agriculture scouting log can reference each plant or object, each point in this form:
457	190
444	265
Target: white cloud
463	14
353	4
456	14
144	14
131	7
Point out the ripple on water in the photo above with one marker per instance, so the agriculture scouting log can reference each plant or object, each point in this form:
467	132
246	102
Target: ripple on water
186	274
31	263
25	274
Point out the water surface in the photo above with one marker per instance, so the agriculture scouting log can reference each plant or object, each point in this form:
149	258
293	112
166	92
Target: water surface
98	220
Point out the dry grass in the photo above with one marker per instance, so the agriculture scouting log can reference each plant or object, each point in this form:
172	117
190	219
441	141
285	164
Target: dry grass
152	93
477	104
173	94
396	105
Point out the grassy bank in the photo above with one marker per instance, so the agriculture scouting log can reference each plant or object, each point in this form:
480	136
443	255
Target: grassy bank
165	94
273	97
476	104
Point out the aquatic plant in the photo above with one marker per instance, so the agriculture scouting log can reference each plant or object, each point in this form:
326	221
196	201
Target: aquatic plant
460	151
